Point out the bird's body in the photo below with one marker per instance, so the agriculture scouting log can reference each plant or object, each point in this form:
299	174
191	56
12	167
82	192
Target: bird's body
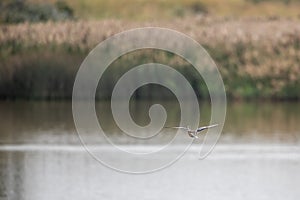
194	133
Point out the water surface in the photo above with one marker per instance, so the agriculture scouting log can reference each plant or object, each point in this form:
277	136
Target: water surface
41	157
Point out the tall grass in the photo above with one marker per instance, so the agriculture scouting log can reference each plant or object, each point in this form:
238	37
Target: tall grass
257	58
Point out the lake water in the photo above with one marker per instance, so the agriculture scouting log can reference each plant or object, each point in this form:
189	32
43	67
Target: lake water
41	156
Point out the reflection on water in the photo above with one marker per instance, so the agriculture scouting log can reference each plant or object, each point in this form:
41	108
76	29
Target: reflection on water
263	122
44	122
258	156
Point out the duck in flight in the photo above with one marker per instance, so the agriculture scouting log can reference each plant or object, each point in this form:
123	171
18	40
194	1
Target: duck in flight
194	133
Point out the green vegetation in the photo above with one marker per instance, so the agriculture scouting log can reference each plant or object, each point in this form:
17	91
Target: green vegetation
16	11
254	62
168	9
258	55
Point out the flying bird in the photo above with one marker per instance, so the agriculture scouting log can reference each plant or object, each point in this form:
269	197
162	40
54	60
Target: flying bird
194	133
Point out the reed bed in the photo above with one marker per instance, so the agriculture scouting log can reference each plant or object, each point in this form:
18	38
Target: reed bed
258	58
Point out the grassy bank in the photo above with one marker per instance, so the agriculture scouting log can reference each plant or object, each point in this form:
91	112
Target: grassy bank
257	58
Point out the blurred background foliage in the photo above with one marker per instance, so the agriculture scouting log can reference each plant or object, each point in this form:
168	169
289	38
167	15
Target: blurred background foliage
18	11
15	11
255	43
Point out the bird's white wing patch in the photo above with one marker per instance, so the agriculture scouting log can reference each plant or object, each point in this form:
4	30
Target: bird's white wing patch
179	127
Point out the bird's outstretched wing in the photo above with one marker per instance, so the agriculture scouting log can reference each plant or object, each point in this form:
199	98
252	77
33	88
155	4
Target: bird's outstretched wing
179	127
206	127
